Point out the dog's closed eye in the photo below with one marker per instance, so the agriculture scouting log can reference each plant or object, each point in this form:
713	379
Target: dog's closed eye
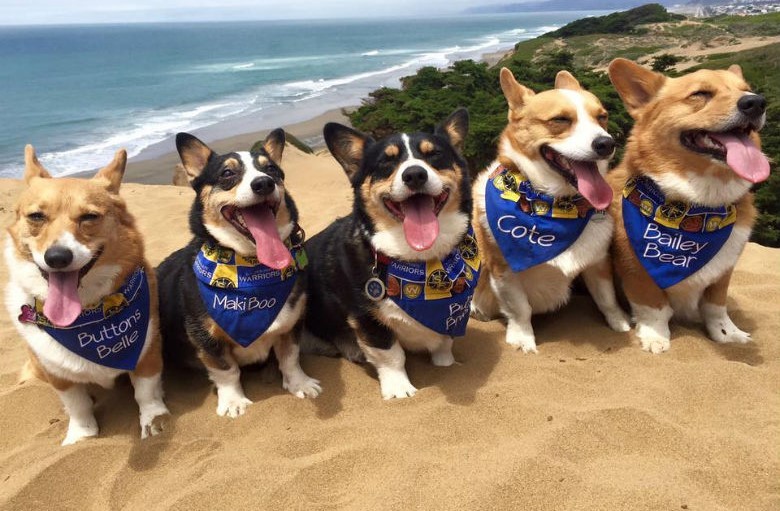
36	217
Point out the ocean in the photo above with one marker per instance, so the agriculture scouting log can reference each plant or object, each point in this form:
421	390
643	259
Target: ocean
79	93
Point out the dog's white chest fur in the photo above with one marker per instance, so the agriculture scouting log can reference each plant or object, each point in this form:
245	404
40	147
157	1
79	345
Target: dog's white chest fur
25	283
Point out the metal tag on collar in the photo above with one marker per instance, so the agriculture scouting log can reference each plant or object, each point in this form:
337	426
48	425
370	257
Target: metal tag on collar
375	289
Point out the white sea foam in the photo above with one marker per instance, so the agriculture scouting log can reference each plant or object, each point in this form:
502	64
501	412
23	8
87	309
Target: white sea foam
279	103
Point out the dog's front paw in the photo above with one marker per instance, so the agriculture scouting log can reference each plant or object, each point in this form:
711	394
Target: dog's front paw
396	385
77	432
524	342
302	386
618	321
655	344
728	333
233	406
153	421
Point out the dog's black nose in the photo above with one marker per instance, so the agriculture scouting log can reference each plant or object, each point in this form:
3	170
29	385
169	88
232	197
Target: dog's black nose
603	146
58	257
415	177
752	105
263	185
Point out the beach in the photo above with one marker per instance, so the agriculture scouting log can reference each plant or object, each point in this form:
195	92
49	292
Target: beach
591	422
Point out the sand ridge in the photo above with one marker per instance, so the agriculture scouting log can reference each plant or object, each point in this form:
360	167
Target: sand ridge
591	422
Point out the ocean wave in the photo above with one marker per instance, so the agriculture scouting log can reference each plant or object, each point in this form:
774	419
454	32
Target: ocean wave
144	129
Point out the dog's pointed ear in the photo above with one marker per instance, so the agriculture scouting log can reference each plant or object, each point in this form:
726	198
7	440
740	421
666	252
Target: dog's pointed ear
566	80
194	154
455	128
32	167
346	145
514	93
274	145
636	85
737	70
114	171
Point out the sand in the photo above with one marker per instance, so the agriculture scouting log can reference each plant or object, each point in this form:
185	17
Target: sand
591	422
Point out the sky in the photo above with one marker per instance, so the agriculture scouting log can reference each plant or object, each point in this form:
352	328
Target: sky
26	12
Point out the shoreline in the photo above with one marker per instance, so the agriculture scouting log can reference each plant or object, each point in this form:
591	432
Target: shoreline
160	167
159	170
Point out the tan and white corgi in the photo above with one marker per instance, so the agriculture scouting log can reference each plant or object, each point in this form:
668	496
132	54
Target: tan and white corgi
683	205
539	209
84	295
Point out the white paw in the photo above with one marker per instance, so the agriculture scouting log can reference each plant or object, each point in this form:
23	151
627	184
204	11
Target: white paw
655	344
153	420
442	358
618	321
77	432
302	387
728	333
396	386
233	406
524	342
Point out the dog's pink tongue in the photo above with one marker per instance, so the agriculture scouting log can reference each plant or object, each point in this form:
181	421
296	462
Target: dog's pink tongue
744	157
421	226
62	305
261	222
591	184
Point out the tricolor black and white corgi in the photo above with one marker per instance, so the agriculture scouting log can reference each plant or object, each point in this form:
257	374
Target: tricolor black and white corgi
399	272
238	288
539	209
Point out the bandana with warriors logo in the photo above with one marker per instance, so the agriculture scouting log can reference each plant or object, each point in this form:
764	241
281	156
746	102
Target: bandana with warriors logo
672	239
437	293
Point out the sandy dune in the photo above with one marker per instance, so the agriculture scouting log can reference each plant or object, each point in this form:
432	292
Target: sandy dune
591	422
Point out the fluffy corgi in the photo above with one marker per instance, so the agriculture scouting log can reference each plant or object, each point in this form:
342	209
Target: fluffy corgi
399	272
237	289
84	295
683	205
539	209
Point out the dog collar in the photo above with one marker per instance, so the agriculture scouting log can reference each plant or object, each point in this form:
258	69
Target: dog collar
672	239
111	333
437	292
530	227
240	294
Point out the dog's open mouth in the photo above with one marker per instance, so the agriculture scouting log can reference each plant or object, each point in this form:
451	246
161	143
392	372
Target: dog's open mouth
62	305
258	224
734	148
419	214
582	174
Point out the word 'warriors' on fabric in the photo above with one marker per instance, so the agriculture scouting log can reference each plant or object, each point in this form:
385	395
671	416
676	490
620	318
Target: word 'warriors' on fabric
437	293
241	295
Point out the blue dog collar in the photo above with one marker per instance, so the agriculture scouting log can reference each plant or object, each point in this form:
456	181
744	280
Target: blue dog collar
530	227
111	333
672	239
241	295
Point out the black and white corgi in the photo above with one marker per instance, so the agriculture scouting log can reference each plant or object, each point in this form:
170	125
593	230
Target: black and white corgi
399	271
237	289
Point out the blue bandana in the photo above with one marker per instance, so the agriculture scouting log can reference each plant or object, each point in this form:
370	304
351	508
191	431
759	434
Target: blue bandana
240	294
531	227
111	333
437	293
672	240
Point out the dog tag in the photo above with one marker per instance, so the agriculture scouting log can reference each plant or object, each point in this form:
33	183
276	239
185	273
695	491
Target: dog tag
375	289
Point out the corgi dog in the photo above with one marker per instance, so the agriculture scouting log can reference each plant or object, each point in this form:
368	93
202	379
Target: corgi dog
84	294
683	206
237	290
399	271
539	209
